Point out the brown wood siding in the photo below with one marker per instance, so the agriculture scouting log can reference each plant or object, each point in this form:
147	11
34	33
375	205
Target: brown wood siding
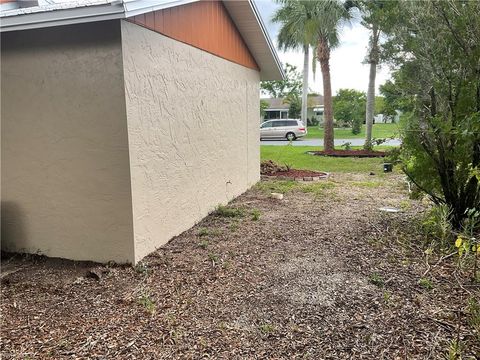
205	25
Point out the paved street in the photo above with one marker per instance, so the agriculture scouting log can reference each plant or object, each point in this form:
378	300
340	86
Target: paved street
319	142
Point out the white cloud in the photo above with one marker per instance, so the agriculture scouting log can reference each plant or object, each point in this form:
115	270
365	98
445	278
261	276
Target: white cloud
346	67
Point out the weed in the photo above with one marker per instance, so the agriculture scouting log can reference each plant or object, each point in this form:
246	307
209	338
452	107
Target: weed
438	224
473	317
171	319
255	214
233	226
318	188
455	350
142	268
387	297
229	212
266	328
405	205
213	258
175	336
203	342
377	280
277	186
203	232
203	244
366	184
425	283
146	301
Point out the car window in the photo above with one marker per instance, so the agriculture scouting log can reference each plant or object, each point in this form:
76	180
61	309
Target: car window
279	123
266	125
291	123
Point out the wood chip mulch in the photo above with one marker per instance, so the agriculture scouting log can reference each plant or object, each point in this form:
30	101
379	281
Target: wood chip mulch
320	277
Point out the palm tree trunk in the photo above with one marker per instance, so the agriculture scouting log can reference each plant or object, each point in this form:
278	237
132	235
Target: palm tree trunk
324	59
305	86
370	105
373	60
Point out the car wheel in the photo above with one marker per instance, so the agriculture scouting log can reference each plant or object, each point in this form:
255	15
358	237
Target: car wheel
290	136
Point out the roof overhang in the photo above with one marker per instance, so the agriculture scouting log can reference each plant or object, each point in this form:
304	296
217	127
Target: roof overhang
244	14
250	25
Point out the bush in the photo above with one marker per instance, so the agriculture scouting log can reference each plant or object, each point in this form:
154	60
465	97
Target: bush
441	133
313	121
357	126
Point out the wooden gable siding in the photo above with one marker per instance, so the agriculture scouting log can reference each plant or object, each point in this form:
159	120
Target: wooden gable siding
205	25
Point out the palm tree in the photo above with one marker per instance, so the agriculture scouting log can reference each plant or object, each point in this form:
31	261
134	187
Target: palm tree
372	19
327	16
372	59
293	35
315	23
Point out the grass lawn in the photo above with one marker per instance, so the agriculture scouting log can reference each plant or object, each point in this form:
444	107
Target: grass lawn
379	131
296	157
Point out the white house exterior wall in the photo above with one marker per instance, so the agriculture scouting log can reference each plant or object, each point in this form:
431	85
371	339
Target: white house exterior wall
193	133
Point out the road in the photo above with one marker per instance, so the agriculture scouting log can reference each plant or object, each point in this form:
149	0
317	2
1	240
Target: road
319	142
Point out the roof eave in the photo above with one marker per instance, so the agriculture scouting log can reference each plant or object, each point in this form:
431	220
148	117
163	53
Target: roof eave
244	13
268	41
62	17
249	23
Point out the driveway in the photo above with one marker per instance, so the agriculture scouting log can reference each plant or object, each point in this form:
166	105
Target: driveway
319	142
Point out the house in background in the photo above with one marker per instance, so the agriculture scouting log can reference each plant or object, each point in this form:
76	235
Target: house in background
125	122
278	109
383	119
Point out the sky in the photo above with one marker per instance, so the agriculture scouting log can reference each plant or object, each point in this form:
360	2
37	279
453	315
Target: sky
346	68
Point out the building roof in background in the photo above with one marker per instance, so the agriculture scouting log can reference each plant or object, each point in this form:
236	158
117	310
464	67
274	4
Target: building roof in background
315	101
64	12
278	103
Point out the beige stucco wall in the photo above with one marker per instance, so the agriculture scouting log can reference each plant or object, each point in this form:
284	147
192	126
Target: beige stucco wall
64	150
193	133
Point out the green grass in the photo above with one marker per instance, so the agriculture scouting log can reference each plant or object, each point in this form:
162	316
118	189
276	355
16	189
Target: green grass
296	157
379	131
229	212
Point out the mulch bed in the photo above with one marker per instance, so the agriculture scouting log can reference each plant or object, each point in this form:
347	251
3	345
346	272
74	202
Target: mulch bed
320	276
270	169
349	153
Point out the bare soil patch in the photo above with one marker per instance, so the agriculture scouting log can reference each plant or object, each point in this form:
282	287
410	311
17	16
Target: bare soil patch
321	277
296	173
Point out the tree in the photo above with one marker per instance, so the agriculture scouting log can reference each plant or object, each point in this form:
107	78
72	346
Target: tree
326	18
295	105
263	106
281	88
379	105
435	47
294	35
349	106
372	16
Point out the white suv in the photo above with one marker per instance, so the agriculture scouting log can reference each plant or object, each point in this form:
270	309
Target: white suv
289	129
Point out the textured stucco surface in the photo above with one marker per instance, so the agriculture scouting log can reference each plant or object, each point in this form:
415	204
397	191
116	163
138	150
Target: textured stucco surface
193	133
64	150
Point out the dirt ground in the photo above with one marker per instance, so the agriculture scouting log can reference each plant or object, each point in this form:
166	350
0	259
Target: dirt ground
321	274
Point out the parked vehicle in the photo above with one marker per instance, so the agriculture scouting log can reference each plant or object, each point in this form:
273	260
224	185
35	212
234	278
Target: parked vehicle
289	129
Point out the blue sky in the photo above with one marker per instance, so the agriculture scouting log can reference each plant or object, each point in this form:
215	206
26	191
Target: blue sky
347	70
